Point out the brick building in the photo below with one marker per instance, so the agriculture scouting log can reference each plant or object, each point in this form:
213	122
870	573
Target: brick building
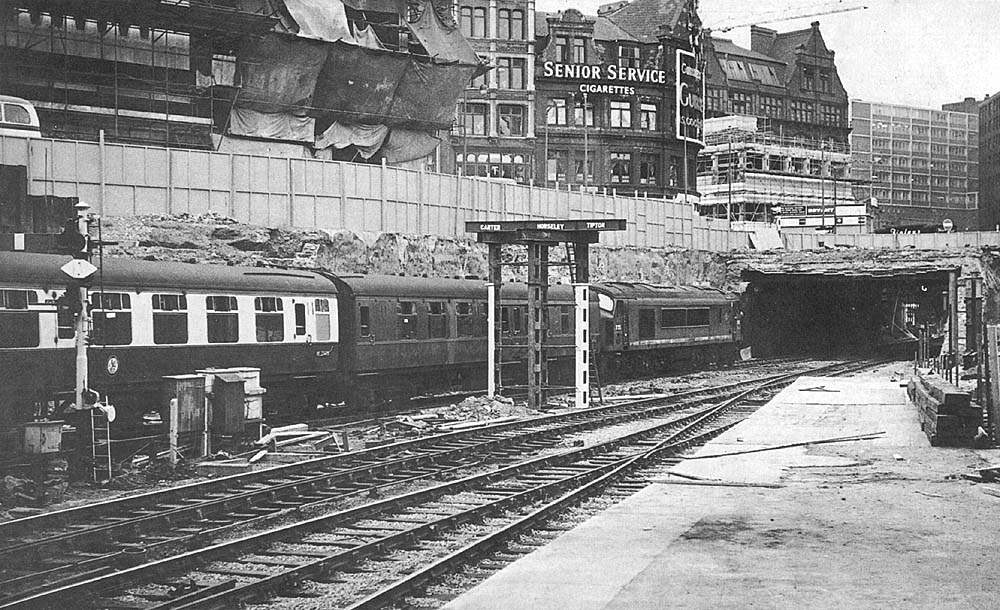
619	98
494	131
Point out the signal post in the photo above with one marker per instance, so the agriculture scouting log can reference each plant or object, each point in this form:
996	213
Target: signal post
538	236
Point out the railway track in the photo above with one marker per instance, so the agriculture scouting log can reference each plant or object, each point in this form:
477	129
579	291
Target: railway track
69	554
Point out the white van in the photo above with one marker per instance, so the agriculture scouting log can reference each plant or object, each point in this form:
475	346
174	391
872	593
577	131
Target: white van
18	118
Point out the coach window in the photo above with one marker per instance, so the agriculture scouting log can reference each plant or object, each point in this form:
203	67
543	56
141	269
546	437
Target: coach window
270	319
322	320
437	321
647	323
170	322
112	318
566	319
463	315
18	325
673	318
300	319
365	320
223	319
697	317
407	311
482	320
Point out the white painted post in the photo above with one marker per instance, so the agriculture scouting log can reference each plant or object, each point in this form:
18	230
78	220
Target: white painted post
172	431
491	344
581	291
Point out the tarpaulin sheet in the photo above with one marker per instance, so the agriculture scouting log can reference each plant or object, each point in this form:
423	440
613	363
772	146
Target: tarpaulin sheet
356	81
277	73
319	19
397	7
271	125
406	145
367	138
428	92
444	44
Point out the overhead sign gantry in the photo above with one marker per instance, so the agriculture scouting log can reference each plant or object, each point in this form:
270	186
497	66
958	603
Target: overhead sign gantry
538	236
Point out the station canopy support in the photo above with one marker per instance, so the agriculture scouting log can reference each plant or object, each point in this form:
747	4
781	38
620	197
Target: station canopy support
538	236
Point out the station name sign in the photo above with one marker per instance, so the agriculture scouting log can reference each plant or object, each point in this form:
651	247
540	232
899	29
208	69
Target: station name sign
603	78
502	226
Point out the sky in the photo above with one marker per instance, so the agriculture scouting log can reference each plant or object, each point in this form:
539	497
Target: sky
913	52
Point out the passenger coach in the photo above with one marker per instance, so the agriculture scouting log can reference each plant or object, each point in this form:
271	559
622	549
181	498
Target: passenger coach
151	320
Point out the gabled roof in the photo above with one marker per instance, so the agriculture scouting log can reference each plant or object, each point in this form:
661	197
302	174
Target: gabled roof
728	47
605	29
785	44
644	18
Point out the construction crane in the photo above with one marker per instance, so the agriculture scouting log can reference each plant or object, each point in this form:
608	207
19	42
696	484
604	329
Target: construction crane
788	16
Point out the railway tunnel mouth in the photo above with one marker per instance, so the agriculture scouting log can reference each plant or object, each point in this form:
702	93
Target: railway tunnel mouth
845	312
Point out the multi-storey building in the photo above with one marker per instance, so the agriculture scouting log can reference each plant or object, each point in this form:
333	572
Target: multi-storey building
494	132
789	80
989	163
619	102
919	166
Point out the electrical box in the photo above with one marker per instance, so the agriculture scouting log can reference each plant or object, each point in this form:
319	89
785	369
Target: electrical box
43	437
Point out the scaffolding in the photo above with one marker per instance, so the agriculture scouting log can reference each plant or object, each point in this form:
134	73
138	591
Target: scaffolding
133	71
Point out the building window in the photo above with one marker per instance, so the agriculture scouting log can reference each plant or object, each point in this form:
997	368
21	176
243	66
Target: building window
647	116
579	162
578	113
771	106
270	319
474	119
621	168
510	72
510	120
647	168
716	99
579	51
628	56
511	24
825	81
555	166
473	22
621	114
112	318
556	112
809	78
562	49
801	112
740	103
830	115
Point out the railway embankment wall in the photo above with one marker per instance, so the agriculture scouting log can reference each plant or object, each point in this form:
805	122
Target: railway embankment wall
221	240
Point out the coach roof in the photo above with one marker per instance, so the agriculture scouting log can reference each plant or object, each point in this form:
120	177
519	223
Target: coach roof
44	270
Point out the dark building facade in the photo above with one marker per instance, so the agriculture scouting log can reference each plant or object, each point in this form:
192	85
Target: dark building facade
989	163
619	98
787	80
494	132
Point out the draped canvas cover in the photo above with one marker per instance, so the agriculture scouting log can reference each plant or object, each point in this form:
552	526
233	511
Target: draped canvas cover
338	72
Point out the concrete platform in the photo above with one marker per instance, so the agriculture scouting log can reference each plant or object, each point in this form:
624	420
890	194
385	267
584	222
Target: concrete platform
864	524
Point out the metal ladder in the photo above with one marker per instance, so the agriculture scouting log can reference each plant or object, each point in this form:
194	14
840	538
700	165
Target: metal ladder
596	391
100	445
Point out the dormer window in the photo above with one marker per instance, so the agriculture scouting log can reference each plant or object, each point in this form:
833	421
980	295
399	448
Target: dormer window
628	56
579	51
562	49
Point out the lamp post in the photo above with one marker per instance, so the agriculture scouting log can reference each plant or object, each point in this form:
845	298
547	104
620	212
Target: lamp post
586	145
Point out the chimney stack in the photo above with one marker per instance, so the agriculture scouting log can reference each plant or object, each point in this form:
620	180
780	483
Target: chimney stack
761	39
